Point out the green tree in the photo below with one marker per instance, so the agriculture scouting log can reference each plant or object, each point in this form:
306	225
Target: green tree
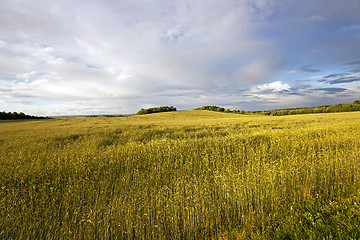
156	110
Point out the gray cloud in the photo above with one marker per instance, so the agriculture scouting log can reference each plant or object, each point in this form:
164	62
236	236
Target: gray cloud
143	48
305	69
354	63
344	80
309	69
339	78
335	75
331	90
355	66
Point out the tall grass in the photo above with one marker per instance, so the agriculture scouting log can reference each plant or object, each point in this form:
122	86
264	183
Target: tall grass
181	175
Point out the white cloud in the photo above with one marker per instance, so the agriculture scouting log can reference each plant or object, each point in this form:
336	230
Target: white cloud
350	28
316	19
11	65
26	75
274	87
90	50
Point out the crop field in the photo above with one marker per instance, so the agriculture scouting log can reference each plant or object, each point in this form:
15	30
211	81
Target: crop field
181	175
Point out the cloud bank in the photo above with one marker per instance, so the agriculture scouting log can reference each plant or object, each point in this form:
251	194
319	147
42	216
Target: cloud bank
103	57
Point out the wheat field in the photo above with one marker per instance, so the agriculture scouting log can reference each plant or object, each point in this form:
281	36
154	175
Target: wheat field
181	175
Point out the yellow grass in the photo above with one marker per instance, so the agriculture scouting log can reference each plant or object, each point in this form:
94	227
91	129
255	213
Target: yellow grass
181	175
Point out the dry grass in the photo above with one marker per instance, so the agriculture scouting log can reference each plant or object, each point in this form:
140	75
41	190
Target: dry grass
181	175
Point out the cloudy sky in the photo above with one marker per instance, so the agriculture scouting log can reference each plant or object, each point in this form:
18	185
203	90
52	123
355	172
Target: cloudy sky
65	57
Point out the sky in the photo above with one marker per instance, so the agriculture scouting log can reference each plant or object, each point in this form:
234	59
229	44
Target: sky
85	57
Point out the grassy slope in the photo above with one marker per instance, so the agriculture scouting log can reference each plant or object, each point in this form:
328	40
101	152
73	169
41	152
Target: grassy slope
177	175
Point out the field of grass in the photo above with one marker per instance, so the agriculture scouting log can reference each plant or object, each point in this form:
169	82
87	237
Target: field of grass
181	175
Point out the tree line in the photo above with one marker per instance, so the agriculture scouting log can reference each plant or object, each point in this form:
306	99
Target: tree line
15	115
219	109
156	110
341	107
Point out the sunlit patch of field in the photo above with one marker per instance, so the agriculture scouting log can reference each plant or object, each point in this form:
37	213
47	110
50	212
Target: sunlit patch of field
181	175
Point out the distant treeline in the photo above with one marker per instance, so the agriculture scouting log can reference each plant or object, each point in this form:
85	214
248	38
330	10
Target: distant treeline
156	110
341	107
112	115
219	109
15	115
